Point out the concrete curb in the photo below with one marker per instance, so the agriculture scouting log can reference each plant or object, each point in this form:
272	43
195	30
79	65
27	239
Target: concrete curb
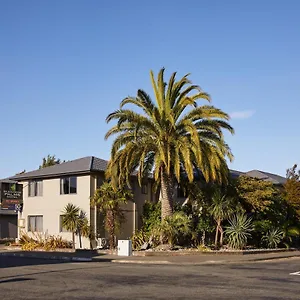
145	262
149	262
208	262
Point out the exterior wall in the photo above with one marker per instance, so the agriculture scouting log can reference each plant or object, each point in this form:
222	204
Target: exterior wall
8	226
140	199
51	204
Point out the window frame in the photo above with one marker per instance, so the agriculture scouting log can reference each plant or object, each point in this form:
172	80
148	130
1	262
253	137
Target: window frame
35	223
180	192
34	184
144	188
68	179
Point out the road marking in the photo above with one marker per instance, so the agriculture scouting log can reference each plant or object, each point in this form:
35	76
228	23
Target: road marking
295	273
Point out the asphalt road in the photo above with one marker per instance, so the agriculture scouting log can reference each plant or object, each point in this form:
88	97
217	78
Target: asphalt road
23	278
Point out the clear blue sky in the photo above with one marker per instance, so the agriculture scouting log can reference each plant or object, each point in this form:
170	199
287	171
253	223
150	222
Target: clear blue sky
65	65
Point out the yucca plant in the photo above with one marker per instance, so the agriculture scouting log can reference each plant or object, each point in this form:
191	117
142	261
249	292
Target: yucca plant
238	231
273	237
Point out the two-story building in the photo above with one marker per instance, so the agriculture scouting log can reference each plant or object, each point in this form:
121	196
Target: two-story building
47	191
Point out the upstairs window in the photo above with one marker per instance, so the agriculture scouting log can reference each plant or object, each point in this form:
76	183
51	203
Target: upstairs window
180	192
35	188
145	188
68	185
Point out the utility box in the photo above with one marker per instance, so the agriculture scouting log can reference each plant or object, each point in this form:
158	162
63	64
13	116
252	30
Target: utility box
124	248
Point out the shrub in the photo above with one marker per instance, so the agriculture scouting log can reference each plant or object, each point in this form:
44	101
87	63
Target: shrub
238	231
172	228
151	215
139	238
42	241
273	237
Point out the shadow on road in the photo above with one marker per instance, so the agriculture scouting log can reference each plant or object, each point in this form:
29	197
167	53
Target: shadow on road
30	258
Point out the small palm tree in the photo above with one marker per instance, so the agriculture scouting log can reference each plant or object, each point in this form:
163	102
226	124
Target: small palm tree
169	136
70	219
221	208
109	201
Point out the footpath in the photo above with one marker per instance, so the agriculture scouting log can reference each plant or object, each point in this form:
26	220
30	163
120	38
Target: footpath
168	258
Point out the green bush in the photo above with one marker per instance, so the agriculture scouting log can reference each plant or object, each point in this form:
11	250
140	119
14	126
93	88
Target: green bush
151	215
273	237
173	228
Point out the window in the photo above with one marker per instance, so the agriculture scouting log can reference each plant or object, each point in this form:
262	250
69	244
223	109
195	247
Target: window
35	188
61	228
68	185
145	188
180	192
35	223
99	181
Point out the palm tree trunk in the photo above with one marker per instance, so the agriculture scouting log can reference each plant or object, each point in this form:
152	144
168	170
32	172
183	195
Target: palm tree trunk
111	229
217	232
79	235
73	239
216	236
221	235
166	194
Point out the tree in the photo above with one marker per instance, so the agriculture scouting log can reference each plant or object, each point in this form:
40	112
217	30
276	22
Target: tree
171	136
109	201
49	161
75	220
221	208
255	194
292	188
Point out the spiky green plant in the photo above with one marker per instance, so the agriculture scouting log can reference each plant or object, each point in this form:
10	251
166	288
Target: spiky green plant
238	231
273	237
169	136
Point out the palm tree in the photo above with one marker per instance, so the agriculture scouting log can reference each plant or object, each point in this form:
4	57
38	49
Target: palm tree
169	136
221	209
70	219
109	201
76	221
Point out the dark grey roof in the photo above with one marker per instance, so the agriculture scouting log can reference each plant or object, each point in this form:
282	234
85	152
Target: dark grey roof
77	166
235	173
275	179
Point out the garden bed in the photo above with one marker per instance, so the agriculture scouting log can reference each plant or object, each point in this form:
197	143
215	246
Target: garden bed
214	252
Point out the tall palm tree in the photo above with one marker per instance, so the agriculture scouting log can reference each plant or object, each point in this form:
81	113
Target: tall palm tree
70	219
169	136
220	209
109	201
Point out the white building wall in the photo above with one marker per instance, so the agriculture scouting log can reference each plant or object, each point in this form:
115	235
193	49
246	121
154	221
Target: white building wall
52	203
